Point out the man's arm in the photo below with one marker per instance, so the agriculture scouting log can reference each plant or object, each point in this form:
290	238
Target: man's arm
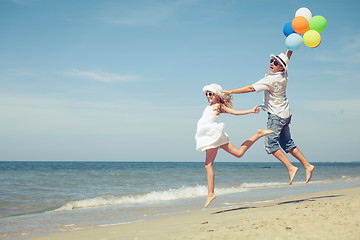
289	53
245	89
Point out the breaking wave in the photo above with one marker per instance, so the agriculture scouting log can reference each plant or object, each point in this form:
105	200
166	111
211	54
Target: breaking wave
161	196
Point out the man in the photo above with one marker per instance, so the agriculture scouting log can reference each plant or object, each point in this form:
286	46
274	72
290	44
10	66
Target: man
277	105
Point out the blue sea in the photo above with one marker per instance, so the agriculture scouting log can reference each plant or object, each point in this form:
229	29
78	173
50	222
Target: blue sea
40	198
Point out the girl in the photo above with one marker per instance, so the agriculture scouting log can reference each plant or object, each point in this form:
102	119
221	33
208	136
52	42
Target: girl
210	135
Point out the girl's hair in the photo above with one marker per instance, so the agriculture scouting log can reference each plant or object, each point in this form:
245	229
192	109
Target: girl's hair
225	99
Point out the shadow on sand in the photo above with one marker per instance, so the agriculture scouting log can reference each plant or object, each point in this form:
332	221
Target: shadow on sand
280	203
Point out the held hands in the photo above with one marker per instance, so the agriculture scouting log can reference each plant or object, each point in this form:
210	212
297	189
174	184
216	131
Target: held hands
255	109
240	112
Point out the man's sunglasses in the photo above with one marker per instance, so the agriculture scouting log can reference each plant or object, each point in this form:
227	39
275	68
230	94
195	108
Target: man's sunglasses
275	62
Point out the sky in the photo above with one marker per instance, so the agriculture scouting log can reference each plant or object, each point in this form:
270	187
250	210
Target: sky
93	80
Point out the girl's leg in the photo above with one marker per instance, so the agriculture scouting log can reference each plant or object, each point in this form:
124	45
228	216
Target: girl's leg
210	157
239	152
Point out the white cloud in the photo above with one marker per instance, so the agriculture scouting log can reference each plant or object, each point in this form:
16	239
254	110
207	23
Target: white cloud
101	76
37	115
15	1
48	128
348	108
136	18
347	51
352	43
144	15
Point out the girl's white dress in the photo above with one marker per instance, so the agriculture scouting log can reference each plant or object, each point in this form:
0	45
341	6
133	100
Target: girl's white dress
209	133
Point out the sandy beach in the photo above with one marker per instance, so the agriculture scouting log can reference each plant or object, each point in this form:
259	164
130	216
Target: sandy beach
323	215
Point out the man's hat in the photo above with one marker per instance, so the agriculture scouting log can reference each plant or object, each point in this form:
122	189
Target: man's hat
282	59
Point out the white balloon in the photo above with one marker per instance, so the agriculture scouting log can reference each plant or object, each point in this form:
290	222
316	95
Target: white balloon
304	12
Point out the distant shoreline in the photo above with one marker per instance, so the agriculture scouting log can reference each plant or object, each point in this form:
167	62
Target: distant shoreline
114	161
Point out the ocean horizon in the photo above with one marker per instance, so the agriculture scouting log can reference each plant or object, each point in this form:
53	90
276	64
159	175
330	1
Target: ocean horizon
42	197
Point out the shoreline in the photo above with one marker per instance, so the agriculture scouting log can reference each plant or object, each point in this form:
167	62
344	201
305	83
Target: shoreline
333	214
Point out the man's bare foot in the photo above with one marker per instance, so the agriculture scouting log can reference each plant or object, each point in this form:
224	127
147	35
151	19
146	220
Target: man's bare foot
309	171
292	174
263	132
209	199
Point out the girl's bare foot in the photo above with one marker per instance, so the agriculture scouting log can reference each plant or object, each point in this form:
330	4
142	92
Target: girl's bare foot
209	199
292	174
309	171
263	132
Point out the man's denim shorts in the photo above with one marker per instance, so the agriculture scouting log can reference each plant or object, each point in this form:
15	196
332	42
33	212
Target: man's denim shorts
281	136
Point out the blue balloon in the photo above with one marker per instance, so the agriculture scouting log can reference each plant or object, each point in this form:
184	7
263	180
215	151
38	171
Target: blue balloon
287	30
294	41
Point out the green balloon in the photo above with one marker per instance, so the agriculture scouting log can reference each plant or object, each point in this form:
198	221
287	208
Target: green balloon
317	23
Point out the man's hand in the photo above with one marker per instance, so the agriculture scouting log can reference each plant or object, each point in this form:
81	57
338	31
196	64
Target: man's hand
289	53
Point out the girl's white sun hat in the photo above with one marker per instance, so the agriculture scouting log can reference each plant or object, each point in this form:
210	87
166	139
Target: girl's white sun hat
215	88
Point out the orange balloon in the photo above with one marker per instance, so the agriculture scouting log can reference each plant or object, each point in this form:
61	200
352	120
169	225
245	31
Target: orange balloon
300	24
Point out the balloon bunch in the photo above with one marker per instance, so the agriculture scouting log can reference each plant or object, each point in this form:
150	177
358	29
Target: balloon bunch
304	28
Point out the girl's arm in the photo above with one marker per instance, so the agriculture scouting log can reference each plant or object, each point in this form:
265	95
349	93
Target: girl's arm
225	109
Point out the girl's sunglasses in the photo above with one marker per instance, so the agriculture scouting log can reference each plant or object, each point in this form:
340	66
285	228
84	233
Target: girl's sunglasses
209	94
275	62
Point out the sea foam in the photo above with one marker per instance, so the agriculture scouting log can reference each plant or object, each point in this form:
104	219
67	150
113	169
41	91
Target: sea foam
161	196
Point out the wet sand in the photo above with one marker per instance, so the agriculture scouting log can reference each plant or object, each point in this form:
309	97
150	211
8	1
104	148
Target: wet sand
322	215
